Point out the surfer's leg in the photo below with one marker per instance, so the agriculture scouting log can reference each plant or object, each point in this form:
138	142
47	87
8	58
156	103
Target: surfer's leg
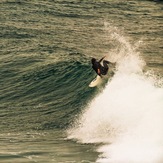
105	63
105	68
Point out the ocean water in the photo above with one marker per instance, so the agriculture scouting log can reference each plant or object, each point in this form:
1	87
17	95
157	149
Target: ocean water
47	111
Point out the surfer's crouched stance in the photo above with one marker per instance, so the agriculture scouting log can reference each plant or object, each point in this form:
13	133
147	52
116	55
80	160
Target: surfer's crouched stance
99	69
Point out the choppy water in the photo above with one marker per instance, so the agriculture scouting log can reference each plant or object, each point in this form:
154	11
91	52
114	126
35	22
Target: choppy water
47	111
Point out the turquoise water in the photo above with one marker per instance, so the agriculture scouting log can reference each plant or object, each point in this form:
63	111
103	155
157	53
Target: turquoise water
47	111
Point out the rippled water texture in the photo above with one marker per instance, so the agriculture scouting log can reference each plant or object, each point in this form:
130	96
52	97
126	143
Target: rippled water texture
47	111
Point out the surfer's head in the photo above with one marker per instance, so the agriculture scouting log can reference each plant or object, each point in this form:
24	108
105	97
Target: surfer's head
93	60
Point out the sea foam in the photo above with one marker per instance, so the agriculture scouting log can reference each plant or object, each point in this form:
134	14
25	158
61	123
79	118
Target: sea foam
127	116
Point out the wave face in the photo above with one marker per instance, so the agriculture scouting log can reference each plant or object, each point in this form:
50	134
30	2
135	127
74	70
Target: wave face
127	115
45	53
51	91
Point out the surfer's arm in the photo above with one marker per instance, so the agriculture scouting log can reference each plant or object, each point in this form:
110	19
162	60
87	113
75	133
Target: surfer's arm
105	60
101	59
99	72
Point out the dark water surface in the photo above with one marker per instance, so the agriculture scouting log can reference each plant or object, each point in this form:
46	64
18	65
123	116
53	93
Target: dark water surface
45	52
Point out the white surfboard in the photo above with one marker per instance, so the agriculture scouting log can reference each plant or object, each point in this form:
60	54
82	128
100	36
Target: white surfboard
96	81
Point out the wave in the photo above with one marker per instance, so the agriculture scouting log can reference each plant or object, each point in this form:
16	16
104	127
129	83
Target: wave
126	117
37	87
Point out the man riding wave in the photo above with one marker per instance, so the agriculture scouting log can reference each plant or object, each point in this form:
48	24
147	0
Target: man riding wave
99	69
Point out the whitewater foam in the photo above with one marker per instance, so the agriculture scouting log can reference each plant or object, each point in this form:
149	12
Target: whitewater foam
126	116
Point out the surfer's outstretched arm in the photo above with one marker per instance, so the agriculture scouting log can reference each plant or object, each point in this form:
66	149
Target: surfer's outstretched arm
102	58
106	61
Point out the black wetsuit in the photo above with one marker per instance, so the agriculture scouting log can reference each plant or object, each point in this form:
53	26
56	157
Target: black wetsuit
99	69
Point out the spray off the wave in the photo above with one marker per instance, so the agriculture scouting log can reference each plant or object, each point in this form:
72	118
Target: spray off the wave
127	115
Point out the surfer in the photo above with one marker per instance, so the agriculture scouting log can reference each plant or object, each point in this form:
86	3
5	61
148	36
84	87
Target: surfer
99	69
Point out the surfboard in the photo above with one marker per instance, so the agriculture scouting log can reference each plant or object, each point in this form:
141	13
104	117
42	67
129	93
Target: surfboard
95	82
